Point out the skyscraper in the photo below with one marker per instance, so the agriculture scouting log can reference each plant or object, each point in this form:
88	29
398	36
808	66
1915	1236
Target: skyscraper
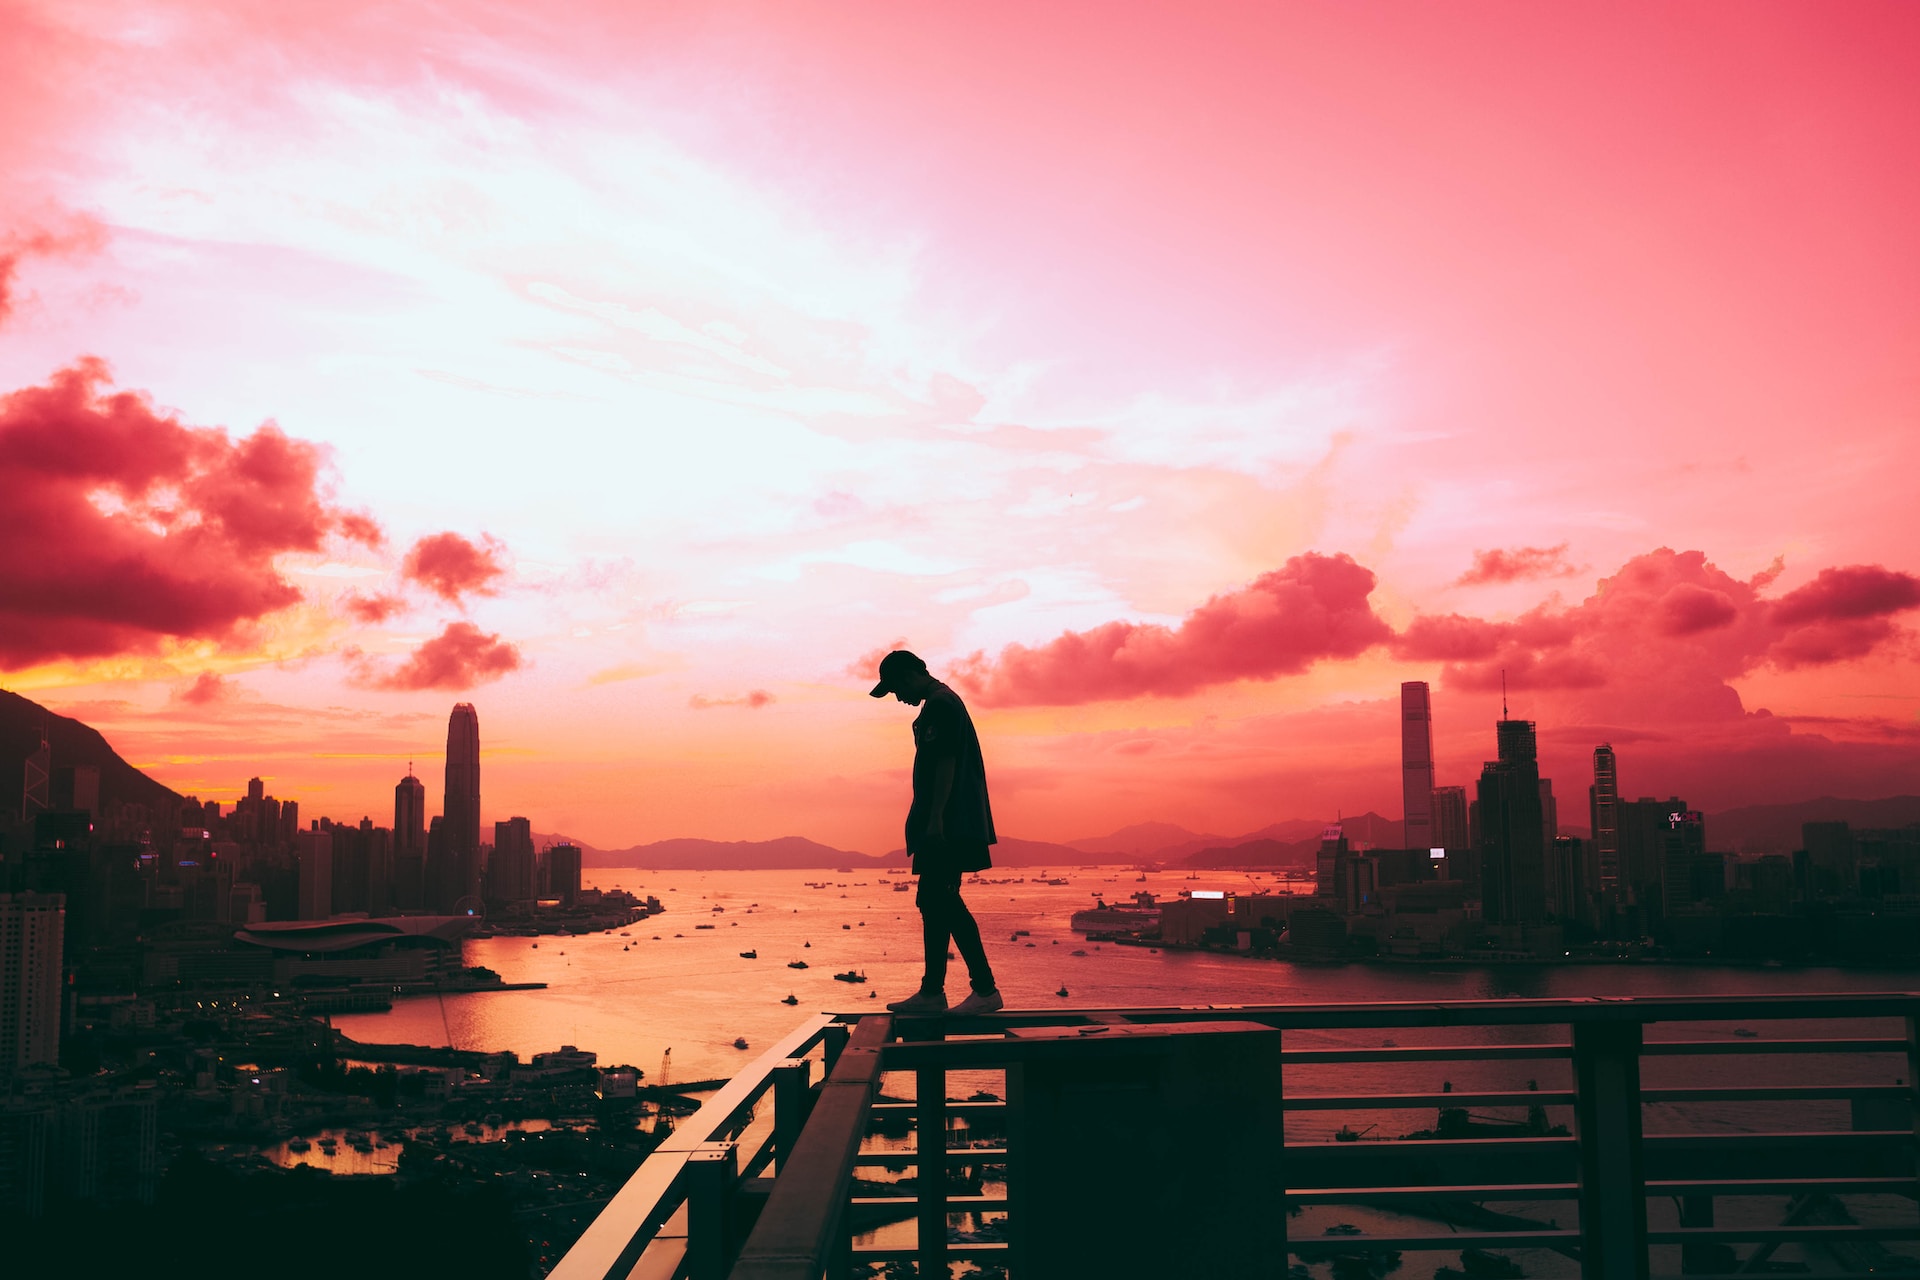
409	816
462	799
1450	820
510	870
563	872
1512	833
32	932
1416	764
1603	805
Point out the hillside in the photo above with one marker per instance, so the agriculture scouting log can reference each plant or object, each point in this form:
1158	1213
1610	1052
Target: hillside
687	854
72	744
1775	828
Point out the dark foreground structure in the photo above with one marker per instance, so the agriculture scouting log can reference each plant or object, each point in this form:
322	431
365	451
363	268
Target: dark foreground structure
1610	1138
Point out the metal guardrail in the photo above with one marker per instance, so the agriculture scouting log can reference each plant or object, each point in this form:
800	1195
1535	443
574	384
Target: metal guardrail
698	1210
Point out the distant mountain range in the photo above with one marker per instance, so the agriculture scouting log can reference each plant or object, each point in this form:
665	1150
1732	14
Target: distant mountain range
72	744
1753	829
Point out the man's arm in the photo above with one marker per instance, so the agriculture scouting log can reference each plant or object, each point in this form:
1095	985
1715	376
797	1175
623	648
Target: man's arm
943	769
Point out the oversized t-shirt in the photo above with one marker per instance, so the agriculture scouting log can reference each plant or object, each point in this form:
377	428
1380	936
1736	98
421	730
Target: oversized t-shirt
943	730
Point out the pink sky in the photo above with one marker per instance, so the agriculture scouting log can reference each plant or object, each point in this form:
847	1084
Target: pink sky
1176	385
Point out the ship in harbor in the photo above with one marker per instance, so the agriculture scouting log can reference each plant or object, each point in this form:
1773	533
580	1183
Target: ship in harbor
1138	916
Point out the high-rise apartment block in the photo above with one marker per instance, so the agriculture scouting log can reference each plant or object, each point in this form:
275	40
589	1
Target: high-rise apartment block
314	852
563	873
1416	764
1450	820
1603	812
32	932
510	872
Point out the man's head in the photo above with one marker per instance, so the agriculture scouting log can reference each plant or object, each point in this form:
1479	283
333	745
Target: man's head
905	676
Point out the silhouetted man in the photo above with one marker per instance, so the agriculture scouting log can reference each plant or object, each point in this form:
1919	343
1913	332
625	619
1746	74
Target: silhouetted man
948	830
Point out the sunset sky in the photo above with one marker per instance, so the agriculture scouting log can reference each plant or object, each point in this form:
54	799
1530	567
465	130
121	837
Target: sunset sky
1177	380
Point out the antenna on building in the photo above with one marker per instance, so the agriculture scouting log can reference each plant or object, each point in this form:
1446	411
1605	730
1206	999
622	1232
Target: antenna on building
1503	693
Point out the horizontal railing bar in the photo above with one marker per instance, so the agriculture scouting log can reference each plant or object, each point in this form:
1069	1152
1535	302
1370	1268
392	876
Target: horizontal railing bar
951	1106
876	1160
1774	1141
1410	1101
1779	1186
895	1253
1383	1195
955	1204
1686	1048
1440	1013
1768	1235
1543	1239
1784	1093
1428	1053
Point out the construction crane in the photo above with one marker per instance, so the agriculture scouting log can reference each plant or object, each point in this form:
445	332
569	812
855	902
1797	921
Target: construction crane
666	1065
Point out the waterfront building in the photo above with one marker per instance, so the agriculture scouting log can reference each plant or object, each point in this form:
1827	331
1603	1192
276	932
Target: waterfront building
32	934
1685	875
1512	845
383	952
1450	818
1830	853
1416	764
461	799
1330	867
510	871
1603	814
563	873
1643	845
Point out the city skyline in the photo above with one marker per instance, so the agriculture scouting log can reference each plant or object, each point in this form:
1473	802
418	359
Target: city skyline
648	414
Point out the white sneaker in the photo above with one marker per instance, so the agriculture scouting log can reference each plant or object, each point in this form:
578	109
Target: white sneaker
977	1003
921	1002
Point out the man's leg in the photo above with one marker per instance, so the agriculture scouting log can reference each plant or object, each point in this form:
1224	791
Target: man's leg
938	895
966	936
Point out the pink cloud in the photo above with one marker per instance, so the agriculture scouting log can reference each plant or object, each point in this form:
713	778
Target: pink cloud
1517	565
79	234
450	566
458	658
125	527
753	700
1314	607
373	609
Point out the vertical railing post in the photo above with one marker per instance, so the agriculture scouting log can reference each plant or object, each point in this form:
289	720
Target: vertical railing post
1613	1191
710	1211
832	1041
930	1149
1913	1083
792	1100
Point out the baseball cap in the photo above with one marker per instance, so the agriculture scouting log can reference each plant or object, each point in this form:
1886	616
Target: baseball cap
895	665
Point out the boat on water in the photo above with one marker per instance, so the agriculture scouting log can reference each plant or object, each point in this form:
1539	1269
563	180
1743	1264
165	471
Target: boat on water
850	976
1061	992
703	926
740	1042
902	887
797	964
791	999
750	955
536	946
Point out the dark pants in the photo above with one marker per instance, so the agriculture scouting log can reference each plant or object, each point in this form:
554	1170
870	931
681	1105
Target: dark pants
943	915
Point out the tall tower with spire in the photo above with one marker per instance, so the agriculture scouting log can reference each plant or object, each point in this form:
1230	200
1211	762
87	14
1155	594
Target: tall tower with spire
462	801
